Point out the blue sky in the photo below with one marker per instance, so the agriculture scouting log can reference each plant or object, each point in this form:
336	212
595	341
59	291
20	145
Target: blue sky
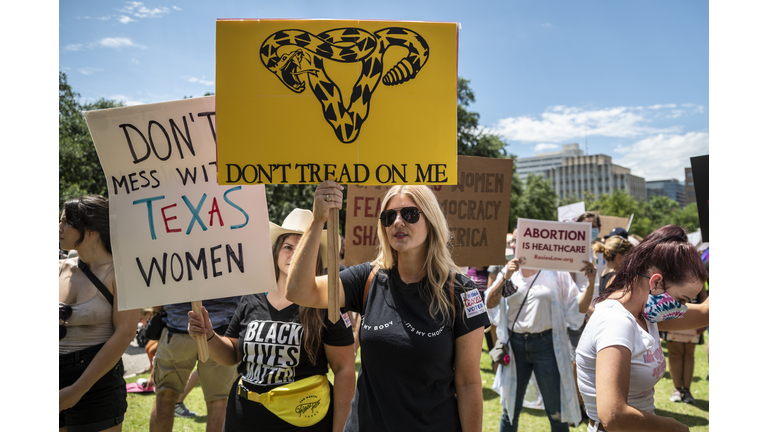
631	79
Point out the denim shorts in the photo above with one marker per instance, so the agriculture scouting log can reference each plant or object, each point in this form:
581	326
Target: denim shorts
104	405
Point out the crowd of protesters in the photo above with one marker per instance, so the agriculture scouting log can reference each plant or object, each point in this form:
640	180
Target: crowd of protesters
592	339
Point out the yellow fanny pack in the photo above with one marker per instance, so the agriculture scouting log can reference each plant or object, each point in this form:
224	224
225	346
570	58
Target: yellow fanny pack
302	403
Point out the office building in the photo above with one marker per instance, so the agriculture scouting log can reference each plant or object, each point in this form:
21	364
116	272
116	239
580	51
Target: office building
596	174
671	188
690	191
540	163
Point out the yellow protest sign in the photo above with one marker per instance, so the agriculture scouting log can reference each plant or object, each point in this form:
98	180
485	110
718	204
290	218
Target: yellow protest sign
363	102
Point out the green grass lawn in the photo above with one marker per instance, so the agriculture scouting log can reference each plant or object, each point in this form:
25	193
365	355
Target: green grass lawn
695	416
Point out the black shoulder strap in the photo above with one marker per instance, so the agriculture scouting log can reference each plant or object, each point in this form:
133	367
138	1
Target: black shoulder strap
99	284
512	327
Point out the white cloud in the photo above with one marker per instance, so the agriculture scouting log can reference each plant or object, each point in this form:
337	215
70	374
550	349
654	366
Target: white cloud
695	108
202	81
89	70
663	155
137	9
548	25
74	47
176	8
128	101
542	147
125	19
559	123
660	106
119	42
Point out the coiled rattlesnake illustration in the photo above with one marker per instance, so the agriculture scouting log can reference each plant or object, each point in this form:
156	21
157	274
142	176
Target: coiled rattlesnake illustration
346	45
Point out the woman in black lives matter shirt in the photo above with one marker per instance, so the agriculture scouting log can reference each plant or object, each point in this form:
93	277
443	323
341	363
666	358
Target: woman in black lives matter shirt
275	342
420	348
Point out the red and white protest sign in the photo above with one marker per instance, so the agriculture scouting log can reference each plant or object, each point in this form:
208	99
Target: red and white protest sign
547	245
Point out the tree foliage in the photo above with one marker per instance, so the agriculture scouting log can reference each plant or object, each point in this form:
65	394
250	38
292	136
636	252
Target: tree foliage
80	172
471	141
649	215
537	201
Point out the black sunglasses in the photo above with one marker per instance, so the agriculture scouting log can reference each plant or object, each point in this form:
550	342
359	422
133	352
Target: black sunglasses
409	214
65	312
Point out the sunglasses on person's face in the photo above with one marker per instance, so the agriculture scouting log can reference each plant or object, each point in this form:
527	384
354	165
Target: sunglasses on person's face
65	312
409	214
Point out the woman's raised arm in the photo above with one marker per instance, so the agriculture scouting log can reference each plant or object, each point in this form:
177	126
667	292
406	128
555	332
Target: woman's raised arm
695	317
303	287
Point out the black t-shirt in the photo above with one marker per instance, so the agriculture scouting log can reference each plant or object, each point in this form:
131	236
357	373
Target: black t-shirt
406	379
604	279
272	344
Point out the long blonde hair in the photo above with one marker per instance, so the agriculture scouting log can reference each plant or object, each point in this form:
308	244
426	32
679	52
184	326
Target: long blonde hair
438	263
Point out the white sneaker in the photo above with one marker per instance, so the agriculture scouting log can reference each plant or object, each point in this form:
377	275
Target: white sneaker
677	396
182	411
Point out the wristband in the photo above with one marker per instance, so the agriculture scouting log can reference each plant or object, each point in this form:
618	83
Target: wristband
209	339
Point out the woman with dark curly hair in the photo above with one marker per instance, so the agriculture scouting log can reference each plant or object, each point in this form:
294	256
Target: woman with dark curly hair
93	334
619	358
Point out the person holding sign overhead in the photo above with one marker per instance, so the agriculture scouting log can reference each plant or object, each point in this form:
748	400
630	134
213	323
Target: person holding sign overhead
282	350
531	310
619	358
422	325
93	334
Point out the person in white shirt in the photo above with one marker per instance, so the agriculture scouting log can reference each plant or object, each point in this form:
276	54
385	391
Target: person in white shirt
543	304
619	359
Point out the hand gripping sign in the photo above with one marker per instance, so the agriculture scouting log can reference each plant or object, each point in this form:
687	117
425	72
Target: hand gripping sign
547	245
357	102
177	235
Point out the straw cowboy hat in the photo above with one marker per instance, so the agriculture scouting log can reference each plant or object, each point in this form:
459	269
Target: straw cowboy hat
296	223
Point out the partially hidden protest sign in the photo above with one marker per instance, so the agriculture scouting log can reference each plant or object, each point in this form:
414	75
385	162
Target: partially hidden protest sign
176	234
700	172
358	102
477	210
548	245
608	223
571	212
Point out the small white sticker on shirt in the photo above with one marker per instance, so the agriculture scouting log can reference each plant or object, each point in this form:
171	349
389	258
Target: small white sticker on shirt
473	303
347	321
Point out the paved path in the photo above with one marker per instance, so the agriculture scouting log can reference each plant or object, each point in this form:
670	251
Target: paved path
135	360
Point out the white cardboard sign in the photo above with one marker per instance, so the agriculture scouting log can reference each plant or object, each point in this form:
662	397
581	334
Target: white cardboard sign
571	212
547	245
177	235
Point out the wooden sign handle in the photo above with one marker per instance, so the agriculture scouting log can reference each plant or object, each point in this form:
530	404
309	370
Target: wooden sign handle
333	265
202	343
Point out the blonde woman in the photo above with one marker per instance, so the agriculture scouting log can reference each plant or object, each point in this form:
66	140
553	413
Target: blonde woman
613	251
420	347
